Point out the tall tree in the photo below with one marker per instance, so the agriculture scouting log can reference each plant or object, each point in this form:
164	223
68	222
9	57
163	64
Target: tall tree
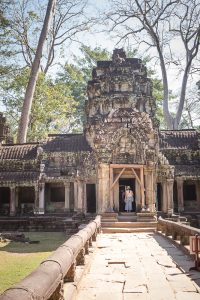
159	24
24	121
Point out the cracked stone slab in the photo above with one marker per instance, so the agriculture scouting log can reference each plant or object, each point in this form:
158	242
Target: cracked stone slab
108	296
135	288
162	294
187	296
183	285
136	296
173	271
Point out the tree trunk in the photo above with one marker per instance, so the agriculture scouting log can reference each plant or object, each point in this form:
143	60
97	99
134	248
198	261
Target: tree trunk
167	116
24	121
177	119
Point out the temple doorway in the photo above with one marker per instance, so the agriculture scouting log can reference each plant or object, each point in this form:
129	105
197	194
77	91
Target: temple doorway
126	175
123	183
91	198
4	201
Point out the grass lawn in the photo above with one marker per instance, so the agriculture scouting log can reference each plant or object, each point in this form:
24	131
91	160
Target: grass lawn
17	259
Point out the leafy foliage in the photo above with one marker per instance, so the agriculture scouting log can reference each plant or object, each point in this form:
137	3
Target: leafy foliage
53	105
76	76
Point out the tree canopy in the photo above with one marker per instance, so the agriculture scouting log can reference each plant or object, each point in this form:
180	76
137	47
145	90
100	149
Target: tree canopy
161	33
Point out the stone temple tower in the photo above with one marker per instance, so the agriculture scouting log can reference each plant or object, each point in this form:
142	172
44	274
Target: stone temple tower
121	146
121	126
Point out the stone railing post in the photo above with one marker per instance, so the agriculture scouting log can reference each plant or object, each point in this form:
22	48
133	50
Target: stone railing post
69	277
80	259
184	239
174	235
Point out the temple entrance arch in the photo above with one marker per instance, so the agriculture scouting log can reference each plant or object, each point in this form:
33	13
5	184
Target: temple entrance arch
128	172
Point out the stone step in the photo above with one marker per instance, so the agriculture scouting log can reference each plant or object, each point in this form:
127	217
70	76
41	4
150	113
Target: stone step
109	214
145	220
126	230
108	220
127	218
127	214
128	224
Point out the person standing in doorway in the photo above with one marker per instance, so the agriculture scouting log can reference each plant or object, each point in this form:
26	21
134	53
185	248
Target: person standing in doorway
128	199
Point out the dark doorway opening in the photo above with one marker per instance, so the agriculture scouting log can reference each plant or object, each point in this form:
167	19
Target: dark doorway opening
159	196
26	200
123	183
4	200
189	192
57	194
91	198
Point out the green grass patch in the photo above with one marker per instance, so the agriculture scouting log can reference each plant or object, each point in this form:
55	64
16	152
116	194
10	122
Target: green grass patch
17	259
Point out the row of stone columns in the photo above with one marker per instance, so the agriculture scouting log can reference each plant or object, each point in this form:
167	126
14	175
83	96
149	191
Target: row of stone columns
79	193
39	193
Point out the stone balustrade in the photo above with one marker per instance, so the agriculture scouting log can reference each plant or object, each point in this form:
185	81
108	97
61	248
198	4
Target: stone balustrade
46	282
177	230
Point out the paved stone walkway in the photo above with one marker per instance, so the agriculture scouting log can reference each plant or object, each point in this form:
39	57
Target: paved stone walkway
139	266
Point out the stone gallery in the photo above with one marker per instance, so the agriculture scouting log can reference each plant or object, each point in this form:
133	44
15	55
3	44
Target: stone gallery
121	145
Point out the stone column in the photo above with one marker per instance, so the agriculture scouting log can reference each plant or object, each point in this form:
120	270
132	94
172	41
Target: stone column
17	199
12	201
103	203
116	196
137	195
80	198
75	196
41	197
180	194
84	198
170	202
149	190
142	187
36	202
164	197
67	194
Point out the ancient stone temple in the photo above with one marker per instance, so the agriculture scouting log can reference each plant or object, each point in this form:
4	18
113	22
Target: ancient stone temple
121	146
